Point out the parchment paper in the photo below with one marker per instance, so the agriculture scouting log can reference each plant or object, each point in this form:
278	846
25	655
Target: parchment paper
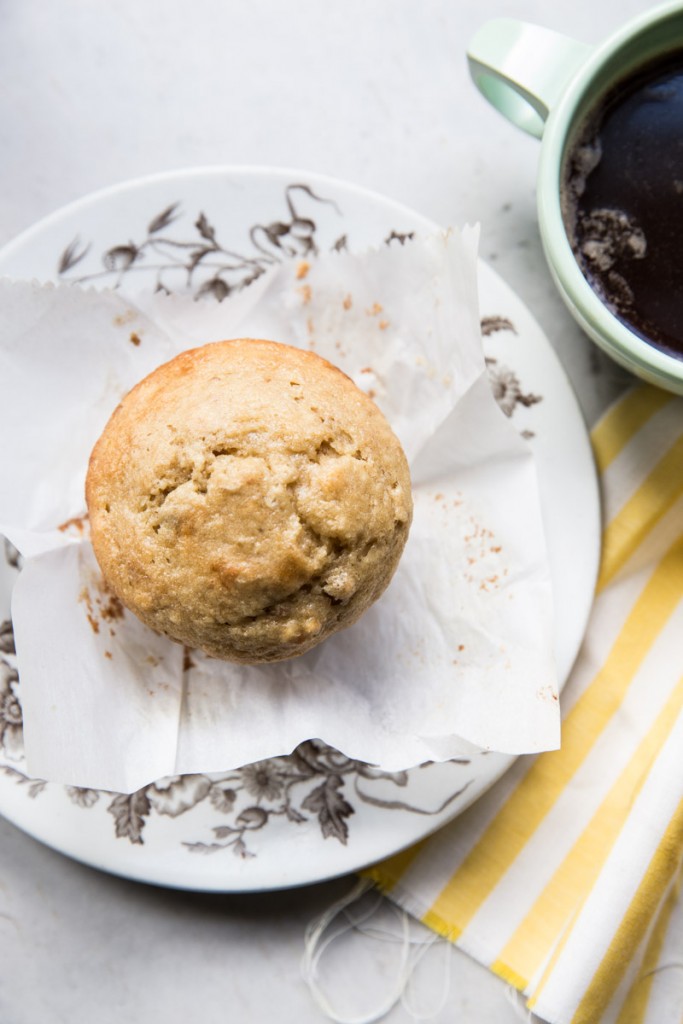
457	652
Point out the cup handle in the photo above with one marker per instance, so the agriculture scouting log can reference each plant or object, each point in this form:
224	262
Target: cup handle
522	69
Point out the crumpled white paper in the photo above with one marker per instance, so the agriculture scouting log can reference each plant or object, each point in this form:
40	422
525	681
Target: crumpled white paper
457	652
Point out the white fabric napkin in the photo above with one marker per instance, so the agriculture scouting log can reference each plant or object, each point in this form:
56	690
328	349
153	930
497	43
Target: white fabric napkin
564	879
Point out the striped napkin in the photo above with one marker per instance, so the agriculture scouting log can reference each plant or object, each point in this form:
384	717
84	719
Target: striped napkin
564	878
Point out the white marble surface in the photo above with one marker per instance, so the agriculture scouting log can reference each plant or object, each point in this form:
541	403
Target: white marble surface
372	91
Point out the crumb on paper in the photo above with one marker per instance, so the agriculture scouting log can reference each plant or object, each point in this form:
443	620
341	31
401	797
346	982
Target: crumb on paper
348	302
383	324
305	292
302	270
108	654
105	607
478	531
78	523
418	652
85	597
124	318
431	371
375	309
378	387
483	560
112	610
135	338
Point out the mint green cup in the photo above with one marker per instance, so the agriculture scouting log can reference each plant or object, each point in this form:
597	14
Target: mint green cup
546	84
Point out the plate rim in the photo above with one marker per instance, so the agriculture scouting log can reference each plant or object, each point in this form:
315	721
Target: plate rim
204	170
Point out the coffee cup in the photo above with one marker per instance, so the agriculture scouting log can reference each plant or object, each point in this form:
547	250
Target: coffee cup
551	87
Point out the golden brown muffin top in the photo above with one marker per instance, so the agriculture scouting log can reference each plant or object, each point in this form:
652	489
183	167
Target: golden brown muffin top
247	498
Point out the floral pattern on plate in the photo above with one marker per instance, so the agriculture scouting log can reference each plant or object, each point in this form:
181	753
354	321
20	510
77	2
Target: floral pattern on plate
208	267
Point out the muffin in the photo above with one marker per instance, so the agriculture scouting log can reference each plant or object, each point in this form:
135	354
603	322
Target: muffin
247	499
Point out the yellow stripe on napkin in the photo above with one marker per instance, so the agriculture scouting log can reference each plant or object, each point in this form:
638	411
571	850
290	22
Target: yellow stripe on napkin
547	918
524	811
625	418
655	496
635	1005
635	922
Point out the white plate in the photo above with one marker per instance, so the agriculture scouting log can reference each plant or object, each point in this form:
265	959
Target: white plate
315	814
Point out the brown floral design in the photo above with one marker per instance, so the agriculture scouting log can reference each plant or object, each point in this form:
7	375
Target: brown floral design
207	266
11	721
507	389
307	785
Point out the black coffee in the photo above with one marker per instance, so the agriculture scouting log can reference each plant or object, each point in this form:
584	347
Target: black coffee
623	202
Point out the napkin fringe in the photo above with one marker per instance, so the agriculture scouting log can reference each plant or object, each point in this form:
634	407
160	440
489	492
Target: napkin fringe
322	932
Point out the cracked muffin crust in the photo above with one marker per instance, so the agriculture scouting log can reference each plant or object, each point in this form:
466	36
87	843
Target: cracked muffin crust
248	499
